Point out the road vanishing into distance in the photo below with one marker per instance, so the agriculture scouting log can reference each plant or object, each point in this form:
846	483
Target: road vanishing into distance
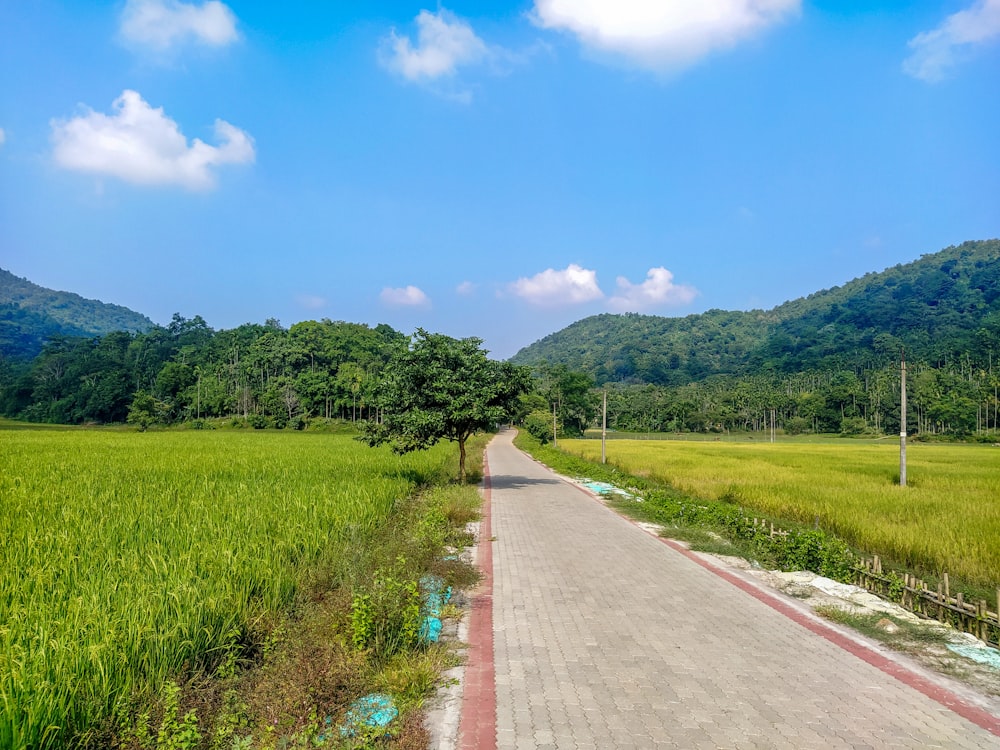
591	633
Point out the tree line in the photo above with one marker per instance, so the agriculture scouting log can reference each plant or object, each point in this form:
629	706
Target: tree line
265	375
271	376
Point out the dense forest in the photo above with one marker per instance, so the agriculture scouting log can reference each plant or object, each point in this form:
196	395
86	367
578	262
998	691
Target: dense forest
825	363
266	375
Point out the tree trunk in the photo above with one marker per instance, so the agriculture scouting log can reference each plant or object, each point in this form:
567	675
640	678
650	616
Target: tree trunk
461	459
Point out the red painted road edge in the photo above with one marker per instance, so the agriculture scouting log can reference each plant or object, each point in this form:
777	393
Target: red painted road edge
945	697
478	721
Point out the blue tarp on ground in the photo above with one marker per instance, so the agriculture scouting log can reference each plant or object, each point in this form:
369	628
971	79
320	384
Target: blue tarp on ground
435	596
373	711
981	654
604	488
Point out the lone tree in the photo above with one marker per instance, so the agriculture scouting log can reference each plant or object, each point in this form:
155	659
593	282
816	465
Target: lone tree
443	389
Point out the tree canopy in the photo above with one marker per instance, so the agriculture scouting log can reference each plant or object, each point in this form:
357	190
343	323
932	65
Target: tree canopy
443	388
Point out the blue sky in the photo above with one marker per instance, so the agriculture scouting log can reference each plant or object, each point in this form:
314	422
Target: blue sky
491	169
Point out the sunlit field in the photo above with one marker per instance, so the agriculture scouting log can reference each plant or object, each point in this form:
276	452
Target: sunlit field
946	519
126	556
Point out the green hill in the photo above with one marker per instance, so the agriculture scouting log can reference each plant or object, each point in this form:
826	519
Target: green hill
943	306
30	315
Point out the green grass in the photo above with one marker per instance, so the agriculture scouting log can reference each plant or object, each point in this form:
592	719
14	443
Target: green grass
129	558
946	519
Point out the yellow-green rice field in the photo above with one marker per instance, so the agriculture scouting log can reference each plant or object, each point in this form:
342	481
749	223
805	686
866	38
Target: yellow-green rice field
947	518
124	556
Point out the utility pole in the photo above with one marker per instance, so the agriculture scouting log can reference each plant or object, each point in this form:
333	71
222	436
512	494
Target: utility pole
902	420
604	429
555	439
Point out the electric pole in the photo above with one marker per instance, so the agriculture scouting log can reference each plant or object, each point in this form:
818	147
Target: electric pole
902	419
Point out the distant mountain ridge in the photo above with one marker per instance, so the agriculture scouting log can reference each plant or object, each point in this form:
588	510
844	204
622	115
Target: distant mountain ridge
937	307
30	315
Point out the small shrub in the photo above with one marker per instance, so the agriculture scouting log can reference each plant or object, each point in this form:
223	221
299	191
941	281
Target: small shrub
385	618
853	426
539	425
257	421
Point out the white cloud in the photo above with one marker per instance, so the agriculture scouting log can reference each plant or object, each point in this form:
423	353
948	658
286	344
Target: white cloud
466	288
3	137
141	145
658	290
550	288
662	35
444	42
162	24
407	296
935	52
311	301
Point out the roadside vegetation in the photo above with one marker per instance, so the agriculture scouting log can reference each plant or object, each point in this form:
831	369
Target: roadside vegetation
837	502
218	589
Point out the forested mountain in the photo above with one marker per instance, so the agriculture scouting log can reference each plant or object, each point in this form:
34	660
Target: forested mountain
941	307
30	315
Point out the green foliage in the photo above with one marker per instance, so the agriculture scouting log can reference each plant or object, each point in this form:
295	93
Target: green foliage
539	425
145	411
282	378
385	616
443	388
853	426
942	306
31	315
175	732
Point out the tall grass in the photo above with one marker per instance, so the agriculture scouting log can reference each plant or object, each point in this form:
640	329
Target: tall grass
127	557
946	519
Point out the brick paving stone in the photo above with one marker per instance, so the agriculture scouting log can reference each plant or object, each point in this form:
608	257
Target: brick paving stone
605	637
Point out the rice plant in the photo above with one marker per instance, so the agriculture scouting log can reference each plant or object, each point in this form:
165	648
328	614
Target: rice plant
946	519
126	558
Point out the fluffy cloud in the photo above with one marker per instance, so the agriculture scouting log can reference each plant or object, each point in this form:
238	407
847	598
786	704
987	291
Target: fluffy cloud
935	51
550	288
657	290
3	137
444	42
407	296
141	145
662	35
466	288
162	24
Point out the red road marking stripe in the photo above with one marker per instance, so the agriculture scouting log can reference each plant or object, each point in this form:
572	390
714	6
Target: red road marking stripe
945	697
477	723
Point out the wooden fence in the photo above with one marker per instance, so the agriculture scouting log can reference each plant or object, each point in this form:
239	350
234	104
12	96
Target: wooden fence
913	594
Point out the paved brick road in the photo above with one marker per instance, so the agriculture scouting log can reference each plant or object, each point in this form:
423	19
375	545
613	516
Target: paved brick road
605	637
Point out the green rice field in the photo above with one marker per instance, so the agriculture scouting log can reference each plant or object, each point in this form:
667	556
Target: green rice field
128	556
947	518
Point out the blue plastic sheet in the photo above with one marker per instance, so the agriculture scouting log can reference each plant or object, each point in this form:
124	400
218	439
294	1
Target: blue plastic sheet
981	654
430	630
605	489
373	711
